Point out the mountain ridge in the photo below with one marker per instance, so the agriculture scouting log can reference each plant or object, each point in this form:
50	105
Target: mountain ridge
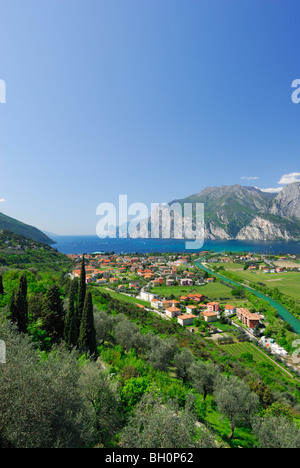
244	213
18	227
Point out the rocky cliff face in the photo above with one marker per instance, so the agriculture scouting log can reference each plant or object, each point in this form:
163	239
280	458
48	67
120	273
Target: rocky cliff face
235	212
261	229
287	202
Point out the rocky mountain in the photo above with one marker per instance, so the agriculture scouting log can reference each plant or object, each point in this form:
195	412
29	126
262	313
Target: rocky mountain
17	227
242	213
287	202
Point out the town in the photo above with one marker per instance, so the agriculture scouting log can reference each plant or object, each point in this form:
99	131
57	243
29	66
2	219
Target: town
173	286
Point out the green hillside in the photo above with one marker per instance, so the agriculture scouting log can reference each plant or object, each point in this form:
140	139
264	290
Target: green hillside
20	252
13	225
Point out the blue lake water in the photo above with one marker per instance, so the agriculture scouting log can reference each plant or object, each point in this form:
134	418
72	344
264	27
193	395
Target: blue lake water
91	244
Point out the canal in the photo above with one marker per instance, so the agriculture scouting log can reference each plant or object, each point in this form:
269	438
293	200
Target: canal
282	311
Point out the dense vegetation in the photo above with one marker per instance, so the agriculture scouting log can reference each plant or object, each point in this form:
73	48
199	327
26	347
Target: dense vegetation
85	369
14	226
17	251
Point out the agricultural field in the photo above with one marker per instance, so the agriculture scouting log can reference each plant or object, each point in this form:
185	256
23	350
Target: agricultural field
287	282
212	291
231	266
122	297
237	349
287	264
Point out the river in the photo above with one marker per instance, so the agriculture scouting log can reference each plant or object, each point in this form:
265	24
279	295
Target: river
282	311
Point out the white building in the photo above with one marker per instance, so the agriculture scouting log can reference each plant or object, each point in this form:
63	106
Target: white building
146	296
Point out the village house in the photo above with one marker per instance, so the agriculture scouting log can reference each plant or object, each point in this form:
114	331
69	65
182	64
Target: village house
248	318
170	282
146	296
172	312
156	282
213	306
186	282
175	303
113	280
230	310
155	303
101	281
183	298
191	309
186	320
209	316
198	297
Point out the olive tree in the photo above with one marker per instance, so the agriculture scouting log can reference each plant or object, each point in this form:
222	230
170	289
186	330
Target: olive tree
276	432
41	405
235	401
159	424
202	377
161	352
183	361
101	393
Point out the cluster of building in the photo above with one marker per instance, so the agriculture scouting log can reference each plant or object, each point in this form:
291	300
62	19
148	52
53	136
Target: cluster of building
193	306
158	270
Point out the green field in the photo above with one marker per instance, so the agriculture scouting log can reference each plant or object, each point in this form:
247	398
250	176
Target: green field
238	348
212	290
122	297
288	282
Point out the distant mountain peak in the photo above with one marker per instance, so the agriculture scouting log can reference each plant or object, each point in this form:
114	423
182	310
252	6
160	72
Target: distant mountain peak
247	213
287	202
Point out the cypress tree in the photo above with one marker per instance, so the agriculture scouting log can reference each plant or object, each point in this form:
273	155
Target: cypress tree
18	307
13	312
81	291
1	286
22	304
53	314
71	328
87	336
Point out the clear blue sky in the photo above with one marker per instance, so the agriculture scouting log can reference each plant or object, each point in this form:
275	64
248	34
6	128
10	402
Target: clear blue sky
156	99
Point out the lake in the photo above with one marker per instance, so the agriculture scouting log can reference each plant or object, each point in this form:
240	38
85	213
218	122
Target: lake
91	244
